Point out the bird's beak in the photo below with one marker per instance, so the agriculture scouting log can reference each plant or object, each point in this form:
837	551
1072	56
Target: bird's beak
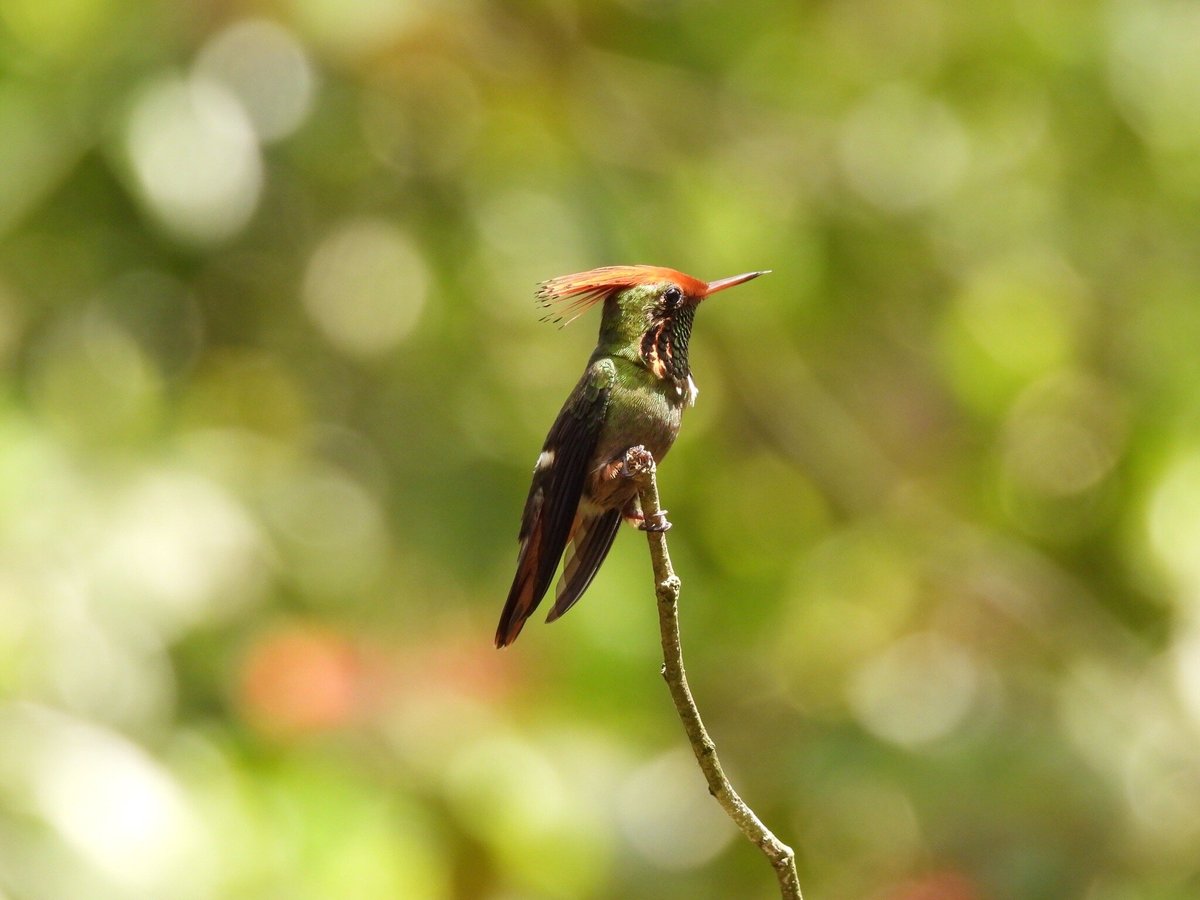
714	286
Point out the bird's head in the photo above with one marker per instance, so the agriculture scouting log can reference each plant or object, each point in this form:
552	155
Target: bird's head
648	310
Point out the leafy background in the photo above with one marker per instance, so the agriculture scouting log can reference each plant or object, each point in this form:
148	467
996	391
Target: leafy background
272	385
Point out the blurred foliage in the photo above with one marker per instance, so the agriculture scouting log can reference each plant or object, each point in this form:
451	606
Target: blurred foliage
273	383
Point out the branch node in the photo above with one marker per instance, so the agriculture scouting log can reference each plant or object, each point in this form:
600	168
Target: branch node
668	590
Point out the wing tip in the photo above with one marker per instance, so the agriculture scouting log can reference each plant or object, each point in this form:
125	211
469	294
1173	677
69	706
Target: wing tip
512	620
507	632
522	600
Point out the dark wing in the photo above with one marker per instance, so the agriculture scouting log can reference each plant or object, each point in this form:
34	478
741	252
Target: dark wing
590	544
553	500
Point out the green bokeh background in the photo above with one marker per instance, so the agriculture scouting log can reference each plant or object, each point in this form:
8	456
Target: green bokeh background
272	384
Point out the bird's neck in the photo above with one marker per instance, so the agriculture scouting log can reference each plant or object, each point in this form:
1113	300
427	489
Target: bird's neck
660	346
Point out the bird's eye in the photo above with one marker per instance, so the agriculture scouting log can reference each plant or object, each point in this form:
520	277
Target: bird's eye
672	295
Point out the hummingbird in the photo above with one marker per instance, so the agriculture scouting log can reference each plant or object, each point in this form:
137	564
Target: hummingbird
629	403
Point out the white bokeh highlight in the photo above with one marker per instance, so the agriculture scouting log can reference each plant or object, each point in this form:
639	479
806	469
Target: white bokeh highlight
180	551
1154	69
668	817
110	801
266	68
918	690
194	158
1173	523
902	151
365	287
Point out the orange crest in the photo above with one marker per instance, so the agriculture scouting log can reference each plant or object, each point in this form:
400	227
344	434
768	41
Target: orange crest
572	295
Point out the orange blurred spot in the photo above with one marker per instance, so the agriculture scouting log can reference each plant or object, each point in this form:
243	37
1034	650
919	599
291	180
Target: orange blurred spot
300	679
943	885
468	667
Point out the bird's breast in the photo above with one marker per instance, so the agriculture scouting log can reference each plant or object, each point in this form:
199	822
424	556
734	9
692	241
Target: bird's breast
647	414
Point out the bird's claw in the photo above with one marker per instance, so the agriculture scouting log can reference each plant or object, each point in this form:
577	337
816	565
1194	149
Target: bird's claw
638	461
656	523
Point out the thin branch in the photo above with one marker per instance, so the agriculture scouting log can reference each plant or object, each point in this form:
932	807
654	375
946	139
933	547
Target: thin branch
667	586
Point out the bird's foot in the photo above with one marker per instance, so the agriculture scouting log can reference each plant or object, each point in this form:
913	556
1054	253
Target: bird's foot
638	520
656	523
637	463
